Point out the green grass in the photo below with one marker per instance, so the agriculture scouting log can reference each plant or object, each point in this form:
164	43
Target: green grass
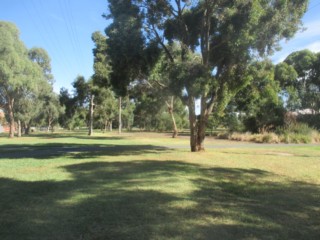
149	186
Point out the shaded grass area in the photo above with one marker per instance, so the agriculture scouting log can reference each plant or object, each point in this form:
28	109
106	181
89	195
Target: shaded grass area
144	191
53	150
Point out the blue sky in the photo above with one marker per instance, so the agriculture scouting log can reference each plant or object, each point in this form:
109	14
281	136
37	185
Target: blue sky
64	28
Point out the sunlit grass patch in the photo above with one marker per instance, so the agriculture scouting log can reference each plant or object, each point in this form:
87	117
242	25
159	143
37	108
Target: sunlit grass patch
137	187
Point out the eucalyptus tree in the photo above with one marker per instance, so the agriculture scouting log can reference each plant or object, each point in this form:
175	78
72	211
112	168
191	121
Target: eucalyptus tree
69	103
129	56
105	105
75	104
18	74
297	75
229	34
84	95
259	104
105	108
101	64
159	80
42	58
32	105
50	110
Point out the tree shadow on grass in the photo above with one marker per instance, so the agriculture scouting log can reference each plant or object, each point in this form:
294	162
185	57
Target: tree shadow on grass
77	151
271	153
158	200
74	135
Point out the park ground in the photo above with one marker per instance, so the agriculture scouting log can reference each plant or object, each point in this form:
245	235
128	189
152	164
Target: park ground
150	186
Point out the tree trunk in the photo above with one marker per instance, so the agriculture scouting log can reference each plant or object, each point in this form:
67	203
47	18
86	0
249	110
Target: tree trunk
197	127
170	110
193	124
202	123
201	133
26	128
110	125
11	118
91	116
105	125
49	124
19	128
120	120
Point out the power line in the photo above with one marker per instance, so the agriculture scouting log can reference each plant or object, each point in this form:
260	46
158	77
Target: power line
55	41
74	29
68	28
312	7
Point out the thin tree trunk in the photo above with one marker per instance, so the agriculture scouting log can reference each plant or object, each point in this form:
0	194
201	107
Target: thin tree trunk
120	120
202	124
19	128
91	116
193	124
170	110
49	125
26	129
201	133
11	118
105	125
110	125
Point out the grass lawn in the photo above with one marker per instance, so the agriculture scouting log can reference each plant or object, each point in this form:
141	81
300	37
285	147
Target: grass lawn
149	186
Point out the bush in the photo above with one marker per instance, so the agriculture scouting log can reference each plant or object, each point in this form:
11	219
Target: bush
297	128
270	138
313	120
267	119
286	137
240	136
258	138
295	138
297	133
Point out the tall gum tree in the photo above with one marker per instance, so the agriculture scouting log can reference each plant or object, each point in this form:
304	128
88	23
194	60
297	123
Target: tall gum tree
229	35
18	74
131	55
302	86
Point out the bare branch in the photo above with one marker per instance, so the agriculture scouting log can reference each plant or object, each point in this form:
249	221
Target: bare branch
162	44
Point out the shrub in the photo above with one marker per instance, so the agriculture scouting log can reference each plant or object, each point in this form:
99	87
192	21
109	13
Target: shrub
270	138
297	128
240	136
313	120
297	138
315	136
297	133
274	138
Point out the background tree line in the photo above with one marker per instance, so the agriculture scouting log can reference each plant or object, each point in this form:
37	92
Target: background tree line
26	92
158	58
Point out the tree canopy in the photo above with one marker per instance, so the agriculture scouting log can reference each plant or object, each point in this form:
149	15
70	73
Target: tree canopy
228	35
19	76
